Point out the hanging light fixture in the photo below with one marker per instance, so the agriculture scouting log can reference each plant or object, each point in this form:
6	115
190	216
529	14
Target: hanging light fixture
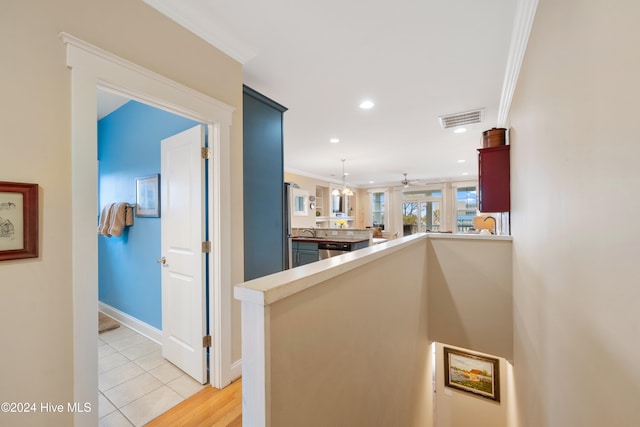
346	191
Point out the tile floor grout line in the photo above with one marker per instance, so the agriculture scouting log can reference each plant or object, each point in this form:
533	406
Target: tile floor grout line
163	380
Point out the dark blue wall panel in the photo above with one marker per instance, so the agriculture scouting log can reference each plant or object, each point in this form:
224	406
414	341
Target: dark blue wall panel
264	232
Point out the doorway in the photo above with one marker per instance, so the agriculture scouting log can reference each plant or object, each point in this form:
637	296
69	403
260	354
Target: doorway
91	66
130	141
148	364
421	211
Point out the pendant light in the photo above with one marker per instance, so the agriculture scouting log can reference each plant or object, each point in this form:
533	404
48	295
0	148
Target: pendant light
346	191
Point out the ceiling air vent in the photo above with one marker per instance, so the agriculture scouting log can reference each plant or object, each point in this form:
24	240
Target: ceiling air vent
461	119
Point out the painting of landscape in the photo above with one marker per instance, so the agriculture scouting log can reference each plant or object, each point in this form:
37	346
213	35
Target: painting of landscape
472	373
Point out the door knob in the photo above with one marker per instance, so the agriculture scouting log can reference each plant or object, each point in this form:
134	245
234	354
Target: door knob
162	261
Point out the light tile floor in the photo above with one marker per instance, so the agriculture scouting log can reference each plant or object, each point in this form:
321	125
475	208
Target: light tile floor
136	384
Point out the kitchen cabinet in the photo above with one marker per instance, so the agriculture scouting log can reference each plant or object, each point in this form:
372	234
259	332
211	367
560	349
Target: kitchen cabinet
304	253
263	177
359	245
494	179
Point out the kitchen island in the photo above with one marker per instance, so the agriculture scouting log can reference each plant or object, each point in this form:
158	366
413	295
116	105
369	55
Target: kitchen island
311	245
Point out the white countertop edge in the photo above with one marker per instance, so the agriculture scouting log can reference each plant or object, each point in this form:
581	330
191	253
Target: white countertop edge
274	287
463	236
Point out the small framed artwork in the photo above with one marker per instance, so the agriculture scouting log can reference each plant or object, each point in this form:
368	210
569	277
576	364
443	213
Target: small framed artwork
472	373
18	220
148	196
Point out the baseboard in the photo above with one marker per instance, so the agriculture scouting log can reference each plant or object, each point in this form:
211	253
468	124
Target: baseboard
236	370
131	322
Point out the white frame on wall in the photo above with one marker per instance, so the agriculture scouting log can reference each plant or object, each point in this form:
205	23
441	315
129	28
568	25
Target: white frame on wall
298	194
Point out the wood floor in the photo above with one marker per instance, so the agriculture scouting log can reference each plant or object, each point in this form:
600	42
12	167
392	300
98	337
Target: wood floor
209	407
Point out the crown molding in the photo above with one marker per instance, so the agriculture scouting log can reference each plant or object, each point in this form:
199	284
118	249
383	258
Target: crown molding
193	22
523	23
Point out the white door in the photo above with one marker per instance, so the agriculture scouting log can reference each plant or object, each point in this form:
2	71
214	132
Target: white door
183	263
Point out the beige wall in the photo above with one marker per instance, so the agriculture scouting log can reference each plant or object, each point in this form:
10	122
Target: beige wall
354	350
575	151
470	306
35	295
470	296
309	184
348	340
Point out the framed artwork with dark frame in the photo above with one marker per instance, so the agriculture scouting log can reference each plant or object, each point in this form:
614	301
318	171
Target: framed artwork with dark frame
148	196
472	373
18	220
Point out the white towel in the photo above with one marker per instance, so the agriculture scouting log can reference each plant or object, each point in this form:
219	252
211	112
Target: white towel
105	220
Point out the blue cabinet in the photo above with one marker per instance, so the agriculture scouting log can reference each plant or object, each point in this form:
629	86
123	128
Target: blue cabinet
263	174
304	253
359	245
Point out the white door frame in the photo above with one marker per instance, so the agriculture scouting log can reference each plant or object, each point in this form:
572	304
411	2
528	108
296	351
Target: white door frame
92	67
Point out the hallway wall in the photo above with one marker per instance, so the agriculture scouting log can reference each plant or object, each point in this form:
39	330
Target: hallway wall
574	151
129	277
36	295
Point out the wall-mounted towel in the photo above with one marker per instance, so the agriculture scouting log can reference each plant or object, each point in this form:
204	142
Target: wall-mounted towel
119	218
114	217
105	220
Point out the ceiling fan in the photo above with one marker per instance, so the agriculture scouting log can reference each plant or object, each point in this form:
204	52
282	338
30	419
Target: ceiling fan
407	182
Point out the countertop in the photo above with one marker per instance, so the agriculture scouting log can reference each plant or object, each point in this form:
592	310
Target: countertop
329	239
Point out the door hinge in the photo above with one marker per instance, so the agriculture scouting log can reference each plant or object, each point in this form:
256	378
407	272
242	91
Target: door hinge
206	247
206	341
205	152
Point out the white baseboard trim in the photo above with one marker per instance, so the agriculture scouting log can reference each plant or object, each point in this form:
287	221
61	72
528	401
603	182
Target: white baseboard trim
131	322
236	369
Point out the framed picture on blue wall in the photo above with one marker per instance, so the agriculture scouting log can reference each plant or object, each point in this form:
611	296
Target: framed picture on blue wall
148	196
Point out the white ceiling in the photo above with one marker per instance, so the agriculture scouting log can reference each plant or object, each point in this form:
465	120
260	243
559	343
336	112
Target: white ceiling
416	59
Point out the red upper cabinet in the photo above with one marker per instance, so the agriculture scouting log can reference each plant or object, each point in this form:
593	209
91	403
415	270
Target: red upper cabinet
493	179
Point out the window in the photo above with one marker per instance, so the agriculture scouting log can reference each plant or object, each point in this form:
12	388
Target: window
421	211
377	209
465	208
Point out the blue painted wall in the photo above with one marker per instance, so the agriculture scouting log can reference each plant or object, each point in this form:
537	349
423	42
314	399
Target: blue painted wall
129	148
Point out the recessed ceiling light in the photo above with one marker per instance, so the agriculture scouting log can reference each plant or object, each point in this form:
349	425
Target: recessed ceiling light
460	130
461	161
372	182
366	105
465	173
334	140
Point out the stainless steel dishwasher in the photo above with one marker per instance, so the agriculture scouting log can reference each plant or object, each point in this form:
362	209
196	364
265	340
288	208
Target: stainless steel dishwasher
330	249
